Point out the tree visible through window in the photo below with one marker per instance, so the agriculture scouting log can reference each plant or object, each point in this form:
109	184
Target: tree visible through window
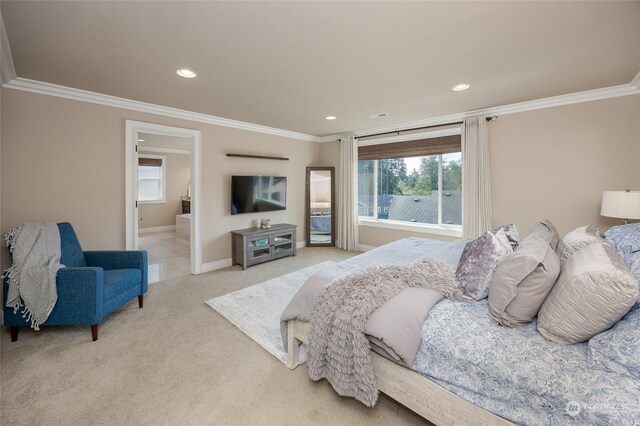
425	189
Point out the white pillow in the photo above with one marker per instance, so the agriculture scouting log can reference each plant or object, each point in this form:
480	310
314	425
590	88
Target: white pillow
594	291
522	281
545	229
577	239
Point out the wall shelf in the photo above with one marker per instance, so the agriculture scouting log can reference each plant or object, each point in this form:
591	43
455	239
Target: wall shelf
262	157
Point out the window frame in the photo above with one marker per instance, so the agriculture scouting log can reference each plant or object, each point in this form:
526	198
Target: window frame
442	229
163	180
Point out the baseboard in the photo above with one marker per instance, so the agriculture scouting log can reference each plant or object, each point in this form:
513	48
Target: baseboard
156	229
364	247
218	264
225	263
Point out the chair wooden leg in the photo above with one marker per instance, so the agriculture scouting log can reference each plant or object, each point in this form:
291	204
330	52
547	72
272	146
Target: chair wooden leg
141	300
94	332
14	332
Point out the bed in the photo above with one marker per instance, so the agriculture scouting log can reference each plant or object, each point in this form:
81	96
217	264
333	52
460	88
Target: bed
320	223
469	370
414	391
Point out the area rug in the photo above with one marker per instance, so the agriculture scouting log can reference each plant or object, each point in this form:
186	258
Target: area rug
256	310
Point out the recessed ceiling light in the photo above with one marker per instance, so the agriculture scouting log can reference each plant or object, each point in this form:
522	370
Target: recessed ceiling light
186	73
460	87
330	117
140	140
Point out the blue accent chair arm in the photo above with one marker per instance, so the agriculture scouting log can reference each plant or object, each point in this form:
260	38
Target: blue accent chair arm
80	296
118	259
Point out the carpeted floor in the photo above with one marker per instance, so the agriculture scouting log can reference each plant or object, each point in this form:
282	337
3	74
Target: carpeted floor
176	361
256	310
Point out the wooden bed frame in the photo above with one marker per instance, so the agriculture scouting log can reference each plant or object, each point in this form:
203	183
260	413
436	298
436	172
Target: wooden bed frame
409	388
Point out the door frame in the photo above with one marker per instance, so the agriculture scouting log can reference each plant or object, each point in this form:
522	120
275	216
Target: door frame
307	208
131	183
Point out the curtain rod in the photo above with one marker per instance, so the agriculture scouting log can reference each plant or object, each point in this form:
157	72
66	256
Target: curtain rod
490	118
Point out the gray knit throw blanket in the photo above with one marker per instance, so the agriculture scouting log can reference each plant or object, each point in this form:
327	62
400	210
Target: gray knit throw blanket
35	249
339	350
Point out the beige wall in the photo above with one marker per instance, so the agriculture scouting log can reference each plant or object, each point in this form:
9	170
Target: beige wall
178	170
556	162
551	163
64	160
330	156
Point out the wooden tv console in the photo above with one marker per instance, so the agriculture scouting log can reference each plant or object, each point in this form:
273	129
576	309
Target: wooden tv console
252	246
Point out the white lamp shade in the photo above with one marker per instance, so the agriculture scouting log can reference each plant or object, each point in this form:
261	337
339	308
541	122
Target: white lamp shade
621	204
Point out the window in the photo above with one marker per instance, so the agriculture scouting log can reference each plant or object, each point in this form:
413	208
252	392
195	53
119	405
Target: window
413	182
151	179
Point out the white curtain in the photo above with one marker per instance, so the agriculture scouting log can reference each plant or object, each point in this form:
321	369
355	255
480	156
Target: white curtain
476	178
347	233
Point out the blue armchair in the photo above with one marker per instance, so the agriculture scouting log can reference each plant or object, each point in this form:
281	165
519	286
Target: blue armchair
90	286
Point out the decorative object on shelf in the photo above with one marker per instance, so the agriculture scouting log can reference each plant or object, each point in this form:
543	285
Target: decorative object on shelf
621	204
266	223
261	157
259	243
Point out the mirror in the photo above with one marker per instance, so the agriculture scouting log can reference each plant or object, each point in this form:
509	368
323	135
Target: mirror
320	210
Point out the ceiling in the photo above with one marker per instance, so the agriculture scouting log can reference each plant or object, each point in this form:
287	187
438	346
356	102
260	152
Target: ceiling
289	64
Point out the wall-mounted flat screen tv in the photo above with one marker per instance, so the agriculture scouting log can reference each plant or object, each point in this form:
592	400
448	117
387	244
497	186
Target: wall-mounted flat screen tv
251	194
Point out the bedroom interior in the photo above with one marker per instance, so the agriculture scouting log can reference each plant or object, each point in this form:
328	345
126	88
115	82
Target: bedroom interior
358	234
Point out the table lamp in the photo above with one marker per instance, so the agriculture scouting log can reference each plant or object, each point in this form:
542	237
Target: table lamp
621	204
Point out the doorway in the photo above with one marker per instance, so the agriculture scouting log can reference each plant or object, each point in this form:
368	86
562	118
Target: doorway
320	206
163	197
164	201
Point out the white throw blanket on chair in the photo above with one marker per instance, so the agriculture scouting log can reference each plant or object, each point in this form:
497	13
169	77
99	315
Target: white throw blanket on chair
36	252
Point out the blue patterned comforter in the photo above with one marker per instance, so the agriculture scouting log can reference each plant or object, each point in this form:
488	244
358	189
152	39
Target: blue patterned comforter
517	374
320	223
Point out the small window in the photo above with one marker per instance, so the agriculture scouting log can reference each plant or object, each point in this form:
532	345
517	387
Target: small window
151	179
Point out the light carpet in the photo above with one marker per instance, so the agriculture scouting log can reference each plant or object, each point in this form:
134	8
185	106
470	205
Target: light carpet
256	310
174	362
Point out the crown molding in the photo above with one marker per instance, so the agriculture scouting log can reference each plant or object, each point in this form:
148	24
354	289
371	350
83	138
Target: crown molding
49	89
7	68
555	101
632	88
